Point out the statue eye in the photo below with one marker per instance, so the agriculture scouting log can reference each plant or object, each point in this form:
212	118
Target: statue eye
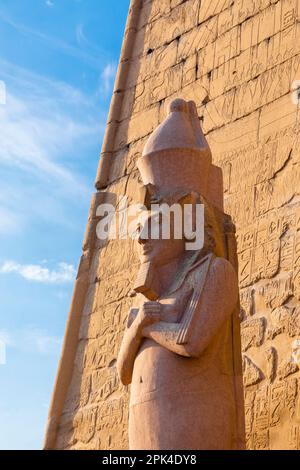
137	232
155	200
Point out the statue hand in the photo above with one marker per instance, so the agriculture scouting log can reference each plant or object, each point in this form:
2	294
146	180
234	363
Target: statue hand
148	314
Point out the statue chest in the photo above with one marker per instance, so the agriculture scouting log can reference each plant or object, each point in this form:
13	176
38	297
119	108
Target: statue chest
172	306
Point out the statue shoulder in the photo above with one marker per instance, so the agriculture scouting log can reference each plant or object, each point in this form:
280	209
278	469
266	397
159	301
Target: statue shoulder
223	267
224	279
212	267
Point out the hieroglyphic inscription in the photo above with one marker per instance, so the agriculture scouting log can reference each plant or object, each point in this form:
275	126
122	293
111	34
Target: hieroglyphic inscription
237	60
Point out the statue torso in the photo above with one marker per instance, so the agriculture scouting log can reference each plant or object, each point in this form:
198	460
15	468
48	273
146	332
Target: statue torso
158	371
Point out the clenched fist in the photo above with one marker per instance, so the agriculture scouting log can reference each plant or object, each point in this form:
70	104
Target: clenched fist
148	314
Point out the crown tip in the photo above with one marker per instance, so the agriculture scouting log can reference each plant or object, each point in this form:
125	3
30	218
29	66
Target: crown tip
178	105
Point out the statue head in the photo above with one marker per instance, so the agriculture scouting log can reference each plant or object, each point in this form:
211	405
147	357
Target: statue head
160	250
177	170
169	232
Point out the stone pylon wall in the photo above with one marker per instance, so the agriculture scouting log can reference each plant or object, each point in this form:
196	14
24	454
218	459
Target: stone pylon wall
237	60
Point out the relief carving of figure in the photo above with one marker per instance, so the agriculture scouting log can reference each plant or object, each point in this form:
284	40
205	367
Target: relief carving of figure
181	350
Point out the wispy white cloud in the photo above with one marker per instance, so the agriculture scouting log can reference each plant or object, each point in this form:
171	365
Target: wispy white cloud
49	3
37	273
80	36
108	77
61	295
6	338
32	135
92	59
37	85
41	341
47	129
2	93
9	221
31	339
39	122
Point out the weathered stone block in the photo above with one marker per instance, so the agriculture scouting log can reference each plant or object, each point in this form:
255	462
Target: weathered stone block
197	38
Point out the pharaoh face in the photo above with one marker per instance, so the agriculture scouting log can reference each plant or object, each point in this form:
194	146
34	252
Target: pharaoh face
156	242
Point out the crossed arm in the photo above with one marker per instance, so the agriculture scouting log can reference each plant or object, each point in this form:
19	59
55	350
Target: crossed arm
218	301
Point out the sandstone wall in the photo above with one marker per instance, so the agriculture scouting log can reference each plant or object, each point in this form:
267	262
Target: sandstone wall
237	60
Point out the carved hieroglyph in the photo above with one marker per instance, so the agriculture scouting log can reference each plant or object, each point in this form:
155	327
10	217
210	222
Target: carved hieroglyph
237	61
181	350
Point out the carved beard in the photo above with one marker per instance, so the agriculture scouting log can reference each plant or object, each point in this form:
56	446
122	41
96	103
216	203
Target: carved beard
147	282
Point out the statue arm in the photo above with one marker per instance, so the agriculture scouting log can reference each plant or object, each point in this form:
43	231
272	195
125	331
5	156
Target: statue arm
129	348
219	300
148	314
217	303
166	335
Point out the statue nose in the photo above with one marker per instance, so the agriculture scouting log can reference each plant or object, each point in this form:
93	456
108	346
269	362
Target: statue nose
142	239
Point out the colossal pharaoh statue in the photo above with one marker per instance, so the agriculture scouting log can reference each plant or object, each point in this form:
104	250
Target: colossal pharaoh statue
181	349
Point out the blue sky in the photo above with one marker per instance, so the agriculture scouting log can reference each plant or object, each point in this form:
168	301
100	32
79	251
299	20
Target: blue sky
58	61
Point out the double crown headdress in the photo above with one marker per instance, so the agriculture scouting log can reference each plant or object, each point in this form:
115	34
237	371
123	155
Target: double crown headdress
177	157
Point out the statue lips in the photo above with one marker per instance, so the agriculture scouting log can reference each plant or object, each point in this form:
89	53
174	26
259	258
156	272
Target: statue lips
147	249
